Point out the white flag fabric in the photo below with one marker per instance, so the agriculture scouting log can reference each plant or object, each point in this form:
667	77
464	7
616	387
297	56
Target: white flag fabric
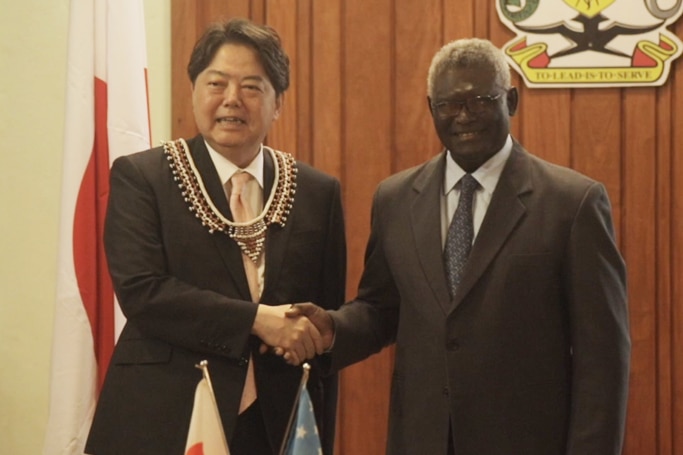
106	116
206	435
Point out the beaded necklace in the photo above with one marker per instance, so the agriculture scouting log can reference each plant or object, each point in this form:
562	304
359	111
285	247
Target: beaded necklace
250	236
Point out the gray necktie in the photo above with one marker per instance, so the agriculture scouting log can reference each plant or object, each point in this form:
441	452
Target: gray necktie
460	234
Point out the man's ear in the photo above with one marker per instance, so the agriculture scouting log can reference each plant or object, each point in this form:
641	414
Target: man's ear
279	99
512	97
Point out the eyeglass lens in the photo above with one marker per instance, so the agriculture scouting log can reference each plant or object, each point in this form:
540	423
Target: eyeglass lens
475	105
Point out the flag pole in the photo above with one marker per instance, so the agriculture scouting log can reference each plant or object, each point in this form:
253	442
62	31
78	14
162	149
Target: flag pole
204	366
304	379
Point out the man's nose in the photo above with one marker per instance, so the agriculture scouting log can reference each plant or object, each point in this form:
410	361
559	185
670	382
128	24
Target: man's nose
232	95
464	115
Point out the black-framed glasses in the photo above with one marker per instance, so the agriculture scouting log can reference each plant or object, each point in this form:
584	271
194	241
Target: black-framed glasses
475	105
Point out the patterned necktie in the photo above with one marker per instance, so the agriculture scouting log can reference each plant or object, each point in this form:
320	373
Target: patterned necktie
460	234
242	213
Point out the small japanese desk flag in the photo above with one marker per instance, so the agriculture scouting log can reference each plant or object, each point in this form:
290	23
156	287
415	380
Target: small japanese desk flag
206	435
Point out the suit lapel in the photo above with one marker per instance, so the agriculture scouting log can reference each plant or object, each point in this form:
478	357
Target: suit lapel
226	247
503	214
426	224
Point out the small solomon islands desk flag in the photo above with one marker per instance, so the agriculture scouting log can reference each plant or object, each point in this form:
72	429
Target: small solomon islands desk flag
301	437
206	435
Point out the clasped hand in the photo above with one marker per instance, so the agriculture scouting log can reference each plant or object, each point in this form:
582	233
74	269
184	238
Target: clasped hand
296	332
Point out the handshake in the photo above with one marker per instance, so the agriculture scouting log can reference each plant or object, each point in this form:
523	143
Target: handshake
296	332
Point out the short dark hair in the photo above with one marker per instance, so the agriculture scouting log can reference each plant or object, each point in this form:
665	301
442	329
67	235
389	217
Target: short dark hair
262	38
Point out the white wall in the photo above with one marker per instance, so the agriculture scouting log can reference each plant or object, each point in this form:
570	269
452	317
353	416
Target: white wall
33	37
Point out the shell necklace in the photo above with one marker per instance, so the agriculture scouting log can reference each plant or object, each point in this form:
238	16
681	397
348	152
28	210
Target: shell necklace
250	236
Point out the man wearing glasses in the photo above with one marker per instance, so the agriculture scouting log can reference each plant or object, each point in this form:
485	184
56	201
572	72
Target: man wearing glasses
498	277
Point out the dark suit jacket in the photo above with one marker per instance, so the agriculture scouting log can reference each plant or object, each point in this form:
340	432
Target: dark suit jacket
185	295
531	357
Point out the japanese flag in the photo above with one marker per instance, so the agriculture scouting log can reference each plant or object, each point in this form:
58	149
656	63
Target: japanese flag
106	116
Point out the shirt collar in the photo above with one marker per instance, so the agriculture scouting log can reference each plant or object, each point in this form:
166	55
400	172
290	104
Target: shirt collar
227	168
488	173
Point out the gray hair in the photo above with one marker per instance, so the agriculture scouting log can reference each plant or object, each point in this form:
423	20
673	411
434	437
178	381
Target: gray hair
467	52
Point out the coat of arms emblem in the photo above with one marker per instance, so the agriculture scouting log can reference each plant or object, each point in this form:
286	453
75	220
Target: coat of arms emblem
591	43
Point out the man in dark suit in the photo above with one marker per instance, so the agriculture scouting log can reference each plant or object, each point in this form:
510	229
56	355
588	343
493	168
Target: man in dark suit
522	347
195	282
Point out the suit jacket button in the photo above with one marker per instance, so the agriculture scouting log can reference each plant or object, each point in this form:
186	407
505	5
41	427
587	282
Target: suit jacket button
243	361
453	345
445	391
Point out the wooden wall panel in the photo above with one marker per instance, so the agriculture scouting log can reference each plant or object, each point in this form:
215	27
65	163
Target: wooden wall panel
185	31
257	11
369	103
326	86
639	246
676	190
457	19
218	10
356	109
500	35
545	118
303	78
284	134
415	140
483	13
663	286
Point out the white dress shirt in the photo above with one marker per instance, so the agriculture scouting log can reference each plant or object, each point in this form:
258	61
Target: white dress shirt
254	190
487	175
